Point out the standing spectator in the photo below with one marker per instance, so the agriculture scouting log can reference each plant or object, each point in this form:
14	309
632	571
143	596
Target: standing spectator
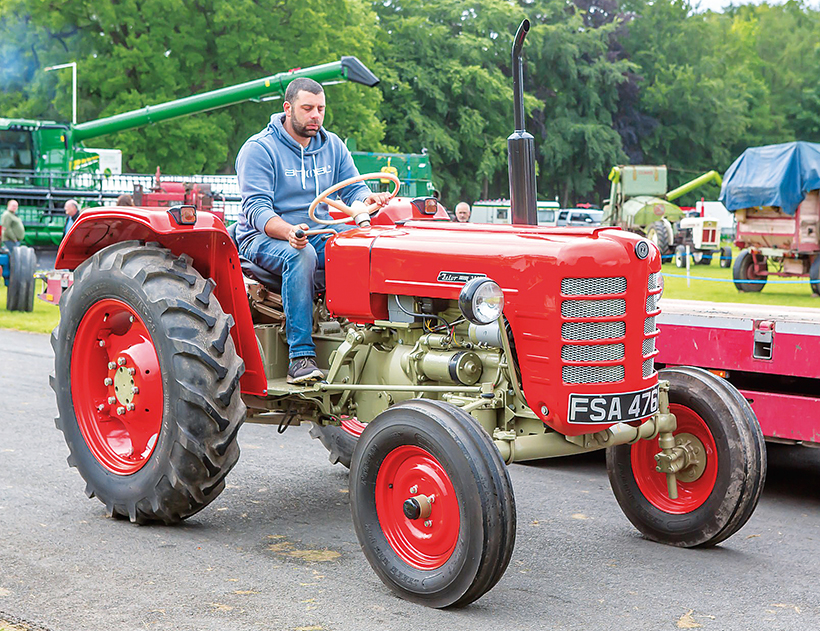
463	212
72	211
125	200
13	229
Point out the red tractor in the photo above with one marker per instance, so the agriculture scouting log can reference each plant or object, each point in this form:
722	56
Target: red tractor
452	350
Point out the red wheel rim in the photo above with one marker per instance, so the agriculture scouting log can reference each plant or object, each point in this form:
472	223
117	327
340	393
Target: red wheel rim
409	471
116	386
691	495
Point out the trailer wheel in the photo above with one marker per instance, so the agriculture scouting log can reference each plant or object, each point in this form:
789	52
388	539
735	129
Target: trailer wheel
146	378
339	443
726	257
444	553
814	276
743	270
680	256
659	235
717	496
22	263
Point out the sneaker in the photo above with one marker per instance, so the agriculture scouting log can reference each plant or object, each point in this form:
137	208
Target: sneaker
304	369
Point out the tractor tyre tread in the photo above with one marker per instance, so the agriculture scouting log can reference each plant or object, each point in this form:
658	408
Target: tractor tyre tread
203	411
339	443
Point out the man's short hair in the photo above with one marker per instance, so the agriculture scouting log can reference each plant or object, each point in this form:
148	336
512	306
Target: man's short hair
73	202
302	83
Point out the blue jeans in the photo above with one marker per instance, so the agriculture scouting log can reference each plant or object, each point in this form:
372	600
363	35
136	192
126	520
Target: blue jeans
297	269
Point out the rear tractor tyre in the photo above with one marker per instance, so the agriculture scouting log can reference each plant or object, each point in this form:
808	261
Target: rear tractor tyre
743	270
444	552
147	383
680	256
726	257
659	235
22	263
717	496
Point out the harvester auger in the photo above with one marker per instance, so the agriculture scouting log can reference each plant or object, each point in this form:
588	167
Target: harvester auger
452	350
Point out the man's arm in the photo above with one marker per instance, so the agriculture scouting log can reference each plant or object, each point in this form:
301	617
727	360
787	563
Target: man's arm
255	173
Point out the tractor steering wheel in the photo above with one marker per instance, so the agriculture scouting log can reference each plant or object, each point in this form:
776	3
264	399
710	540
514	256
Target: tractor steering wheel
360	215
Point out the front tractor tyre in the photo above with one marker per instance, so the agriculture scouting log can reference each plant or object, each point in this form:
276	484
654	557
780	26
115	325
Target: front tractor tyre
147	383
432	503
719	491
726	257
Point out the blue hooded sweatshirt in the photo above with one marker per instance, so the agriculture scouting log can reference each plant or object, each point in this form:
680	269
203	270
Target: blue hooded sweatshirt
280	178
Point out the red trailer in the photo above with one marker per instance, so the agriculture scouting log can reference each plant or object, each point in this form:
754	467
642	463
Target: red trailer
771	354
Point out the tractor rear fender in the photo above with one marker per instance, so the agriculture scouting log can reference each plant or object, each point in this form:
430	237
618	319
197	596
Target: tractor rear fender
212	252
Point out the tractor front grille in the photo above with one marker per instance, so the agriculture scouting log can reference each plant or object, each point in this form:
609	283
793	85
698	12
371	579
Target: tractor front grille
588	298
653	287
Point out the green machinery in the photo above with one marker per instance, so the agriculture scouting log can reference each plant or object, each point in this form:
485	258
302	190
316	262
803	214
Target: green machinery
44	163
639	201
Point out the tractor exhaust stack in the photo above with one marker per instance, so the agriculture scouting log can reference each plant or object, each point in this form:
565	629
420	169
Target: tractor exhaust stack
521	145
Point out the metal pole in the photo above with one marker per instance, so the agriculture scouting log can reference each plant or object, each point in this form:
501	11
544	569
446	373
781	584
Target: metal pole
73	66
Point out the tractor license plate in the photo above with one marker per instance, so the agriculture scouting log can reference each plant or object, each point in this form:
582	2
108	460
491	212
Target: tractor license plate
613	408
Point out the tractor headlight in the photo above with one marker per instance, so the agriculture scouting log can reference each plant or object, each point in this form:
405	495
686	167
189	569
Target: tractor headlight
481	300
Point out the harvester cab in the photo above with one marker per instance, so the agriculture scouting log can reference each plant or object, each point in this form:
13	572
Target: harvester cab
451	350
640	201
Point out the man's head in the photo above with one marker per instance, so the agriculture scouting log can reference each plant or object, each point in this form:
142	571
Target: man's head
12	206
463	212
304	109
71	207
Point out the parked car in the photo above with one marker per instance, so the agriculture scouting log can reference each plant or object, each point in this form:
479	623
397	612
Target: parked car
579	217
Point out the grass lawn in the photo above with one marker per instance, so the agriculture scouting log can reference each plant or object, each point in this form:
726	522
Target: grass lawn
719	287
42	320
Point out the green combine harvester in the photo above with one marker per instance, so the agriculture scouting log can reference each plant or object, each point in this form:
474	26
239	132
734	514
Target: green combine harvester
44	163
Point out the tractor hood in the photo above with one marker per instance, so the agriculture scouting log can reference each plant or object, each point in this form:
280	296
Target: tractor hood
555	282
643	211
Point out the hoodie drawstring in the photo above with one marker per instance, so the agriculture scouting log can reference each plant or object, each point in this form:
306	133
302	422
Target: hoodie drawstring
302	149
316	175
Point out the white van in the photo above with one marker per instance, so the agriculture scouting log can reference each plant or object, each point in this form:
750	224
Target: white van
498	211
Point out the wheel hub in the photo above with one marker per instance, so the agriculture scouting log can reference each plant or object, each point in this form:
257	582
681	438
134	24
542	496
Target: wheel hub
116	386
417	507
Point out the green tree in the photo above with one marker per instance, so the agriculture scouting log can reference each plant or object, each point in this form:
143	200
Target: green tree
136	53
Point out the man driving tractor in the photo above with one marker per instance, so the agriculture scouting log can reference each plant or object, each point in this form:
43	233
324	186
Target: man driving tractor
281	170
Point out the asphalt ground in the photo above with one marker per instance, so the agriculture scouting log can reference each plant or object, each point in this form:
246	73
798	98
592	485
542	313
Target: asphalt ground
277	549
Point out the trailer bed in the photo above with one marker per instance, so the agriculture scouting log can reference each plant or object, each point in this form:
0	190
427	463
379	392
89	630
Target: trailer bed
771	354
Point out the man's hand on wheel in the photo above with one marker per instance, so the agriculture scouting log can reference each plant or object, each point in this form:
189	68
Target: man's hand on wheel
298	242
377	198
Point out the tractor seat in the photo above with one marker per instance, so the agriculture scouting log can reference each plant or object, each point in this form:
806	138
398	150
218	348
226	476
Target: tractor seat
271	281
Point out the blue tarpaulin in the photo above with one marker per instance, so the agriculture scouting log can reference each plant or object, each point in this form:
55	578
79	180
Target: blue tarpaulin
775	175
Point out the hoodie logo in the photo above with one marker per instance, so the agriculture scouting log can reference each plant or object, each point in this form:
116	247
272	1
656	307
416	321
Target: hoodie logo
325	170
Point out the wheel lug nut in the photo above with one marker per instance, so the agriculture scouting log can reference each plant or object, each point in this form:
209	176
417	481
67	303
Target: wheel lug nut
428	523
121	361
135	390
100	407
414	489
130	407
108	381
431	498
120	410
111	365
112	400
131	371
102	343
